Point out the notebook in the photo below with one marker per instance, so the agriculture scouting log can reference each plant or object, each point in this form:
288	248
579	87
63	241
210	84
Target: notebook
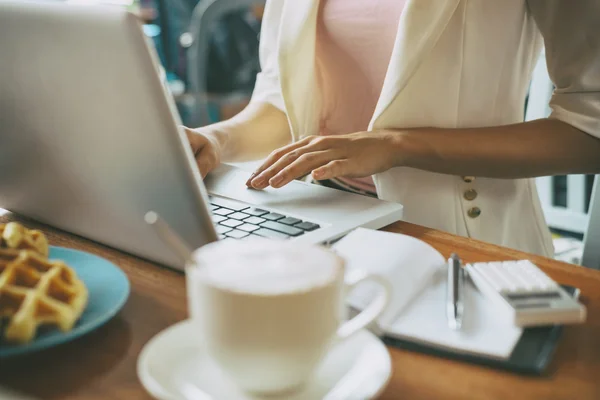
416	316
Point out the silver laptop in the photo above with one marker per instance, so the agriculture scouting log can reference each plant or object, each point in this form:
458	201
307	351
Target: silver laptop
89	142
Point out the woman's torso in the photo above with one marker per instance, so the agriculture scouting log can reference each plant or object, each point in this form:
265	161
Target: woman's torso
455	63
354	43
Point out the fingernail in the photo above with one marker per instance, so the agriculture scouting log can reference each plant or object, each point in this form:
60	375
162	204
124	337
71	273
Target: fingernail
249	181
258	183
317	173
276	180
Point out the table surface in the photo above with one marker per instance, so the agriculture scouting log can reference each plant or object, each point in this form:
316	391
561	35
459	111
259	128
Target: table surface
102	364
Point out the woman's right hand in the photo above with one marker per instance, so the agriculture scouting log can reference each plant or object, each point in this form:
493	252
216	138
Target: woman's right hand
206	148
250	135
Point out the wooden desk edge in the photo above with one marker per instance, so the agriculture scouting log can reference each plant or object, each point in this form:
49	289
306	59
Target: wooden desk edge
434	237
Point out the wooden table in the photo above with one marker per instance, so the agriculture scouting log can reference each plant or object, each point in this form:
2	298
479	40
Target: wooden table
102	365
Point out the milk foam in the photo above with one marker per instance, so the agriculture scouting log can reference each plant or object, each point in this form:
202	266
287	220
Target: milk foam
266	267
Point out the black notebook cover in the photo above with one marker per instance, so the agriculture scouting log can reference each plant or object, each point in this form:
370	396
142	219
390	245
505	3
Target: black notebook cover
531	355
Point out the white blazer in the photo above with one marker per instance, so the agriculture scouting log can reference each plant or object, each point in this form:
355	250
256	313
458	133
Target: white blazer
455	63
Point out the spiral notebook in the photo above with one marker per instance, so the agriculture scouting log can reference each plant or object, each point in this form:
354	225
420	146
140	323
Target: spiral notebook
416	318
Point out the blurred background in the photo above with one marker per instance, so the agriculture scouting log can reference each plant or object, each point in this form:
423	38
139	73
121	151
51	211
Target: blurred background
207	48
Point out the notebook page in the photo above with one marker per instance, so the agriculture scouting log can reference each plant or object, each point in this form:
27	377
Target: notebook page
417	273
407	263
483	332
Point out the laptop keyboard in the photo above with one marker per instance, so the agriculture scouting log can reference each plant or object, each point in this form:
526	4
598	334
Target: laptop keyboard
238	220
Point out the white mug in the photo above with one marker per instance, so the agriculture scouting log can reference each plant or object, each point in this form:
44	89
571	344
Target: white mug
268	311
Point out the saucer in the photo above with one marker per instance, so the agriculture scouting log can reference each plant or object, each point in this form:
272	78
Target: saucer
108	290
174	365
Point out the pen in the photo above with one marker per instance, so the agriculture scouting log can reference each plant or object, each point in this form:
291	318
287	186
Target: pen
455	292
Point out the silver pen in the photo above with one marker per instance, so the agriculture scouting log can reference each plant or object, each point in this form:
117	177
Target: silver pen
455	292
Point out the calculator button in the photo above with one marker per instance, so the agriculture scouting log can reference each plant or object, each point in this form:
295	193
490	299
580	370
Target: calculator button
513	276
536	280
496	272
519	277
485	273
544	281
536	274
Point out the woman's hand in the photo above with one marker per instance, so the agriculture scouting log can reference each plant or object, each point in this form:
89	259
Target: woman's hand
354	155
206	148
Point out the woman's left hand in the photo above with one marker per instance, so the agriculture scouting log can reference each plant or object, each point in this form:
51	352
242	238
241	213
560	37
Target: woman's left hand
354	155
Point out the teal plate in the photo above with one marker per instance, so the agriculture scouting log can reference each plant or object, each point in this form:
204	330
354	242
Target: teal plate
108	290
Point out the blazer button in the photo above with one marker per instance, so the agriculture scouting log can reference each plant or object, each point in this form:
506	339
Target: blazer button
474	212
468	179
470	194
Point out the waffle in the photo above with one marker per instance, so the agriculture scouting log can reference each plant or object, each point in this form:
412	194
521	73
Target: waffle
16	236
37	292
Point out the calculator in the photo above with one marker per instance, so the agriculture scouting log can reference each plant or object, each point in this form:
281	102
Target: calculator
525	293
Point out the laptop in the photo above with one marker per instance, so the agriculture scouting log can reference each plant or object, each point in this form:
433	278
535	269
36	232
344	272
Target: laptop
90	142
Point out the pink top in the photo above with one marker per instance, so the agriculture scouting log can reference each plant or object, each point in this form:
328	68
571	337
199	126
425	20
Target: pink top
355	39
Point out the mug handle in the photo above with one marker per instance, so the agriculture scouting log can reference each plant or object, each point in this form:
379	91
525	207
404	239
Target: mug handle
372	311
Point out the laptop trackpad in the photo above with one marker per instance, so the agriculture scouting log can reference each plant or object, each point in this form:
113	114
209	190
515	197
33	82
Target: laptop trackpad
299	199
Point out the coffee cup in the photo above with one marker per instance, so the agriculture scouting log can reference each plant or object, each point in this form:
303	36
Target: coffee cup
268	311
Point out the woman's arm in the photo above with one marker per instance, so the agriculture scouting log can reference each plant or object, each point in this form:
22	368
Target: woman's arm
250	135
565	143
536	148
530	149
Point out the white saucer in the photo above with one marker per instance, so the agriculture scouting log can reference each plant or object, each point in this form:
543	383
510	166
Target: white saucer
173	365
